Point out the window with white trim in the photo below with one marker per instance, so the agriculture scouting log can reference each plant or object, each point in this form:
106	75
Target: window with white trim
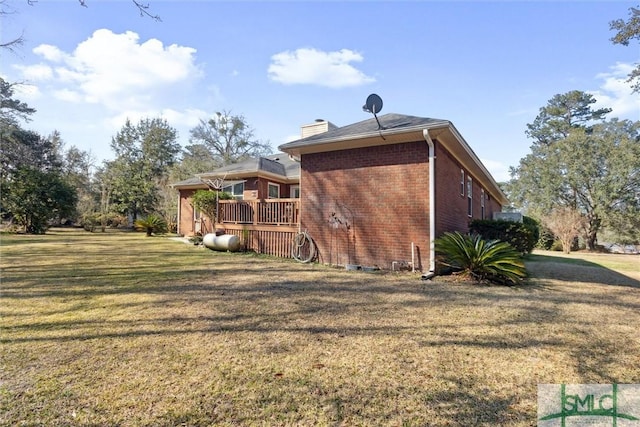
274	190
469	196
294	191
482	196
462	182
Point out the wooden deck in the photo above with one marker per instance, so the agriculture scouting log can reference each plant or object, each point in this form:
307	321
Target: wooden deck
264	226
260	212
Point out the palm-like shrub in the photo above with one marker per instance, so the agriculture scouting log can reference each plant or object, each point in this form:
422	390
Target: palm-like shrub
481	259
151	224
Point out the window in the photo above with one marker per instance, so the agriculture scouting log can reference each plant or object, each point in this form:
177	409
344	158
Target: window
482	196
462	182
469	196
294	191
274	191
236	190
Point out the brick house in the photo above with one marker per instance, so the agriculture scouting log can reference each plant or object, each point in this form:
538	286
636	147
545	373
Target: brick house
369	195
373	195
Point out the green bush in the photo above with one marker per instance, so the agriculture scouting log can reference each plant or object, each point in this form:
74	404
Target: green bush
523	236
481	259
556	246
207	200
90	221
547	238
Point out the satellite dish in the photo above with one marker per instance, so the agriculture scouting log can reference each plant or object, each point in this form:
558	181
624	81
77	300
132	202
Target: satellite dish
374	105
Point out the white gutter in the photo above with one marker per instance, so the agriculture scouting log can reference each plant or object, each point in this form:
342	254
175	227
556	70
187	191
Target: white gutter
432	206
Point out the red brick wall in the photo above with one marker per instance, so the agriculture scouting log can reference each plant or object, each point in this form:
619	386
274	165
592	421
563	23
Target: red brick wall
452	205
491	206
451	214
365	206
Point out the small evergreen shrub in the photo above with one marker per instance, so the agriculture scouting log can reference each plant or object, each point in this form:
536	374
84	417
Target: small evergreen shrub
523	236
151	224
481	259
547	238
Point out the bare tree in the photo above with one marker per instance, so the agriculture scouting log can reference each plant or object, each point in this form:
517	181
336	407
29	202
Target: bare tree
13	44
143	8
566	224
229	138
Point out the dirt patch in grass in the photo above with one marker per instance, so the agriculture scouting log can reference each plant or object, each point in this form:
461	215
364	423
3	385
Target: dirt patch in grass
120	329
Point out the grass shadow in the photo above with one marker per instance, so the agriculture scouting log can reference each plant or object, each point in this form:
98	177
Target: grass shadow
548	267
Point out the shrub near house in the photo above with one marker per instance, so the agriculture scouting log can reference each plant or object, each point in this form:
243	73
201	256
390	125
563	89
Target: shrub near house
523	236
480	259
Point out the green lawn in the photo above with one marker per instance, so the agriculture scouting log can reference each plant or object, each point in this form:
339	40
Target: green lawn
120	329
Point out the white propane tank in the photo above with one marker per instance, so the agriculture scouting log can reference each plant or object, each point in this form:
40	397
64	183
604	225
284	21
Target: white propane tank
224	242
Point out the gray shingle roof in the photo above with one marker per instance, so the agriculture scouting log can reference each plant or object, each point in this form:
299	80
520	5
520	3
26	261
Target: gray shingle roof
279	164
188	182
390	122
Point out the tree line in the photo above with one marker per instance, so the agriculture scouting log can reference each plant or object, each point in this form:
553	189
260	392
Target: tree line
582	176
44	183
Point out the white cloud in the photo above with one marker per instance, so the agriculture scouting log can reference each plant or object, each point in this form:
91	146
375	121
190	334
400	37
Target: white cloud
36	72
315	67
615	92
27	91
188	118
49	52
67	95
182	120
118	71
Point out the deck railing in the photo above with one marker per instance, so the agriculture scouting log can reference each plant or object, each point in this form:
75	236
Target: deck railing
260	212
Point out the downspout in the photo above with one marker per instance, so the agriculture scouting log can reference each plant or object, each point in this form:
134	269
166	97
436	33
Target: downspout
432	206
299	161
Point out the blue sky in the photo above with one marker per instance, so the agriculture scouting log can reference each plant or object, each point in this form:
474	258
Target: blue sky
486	66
